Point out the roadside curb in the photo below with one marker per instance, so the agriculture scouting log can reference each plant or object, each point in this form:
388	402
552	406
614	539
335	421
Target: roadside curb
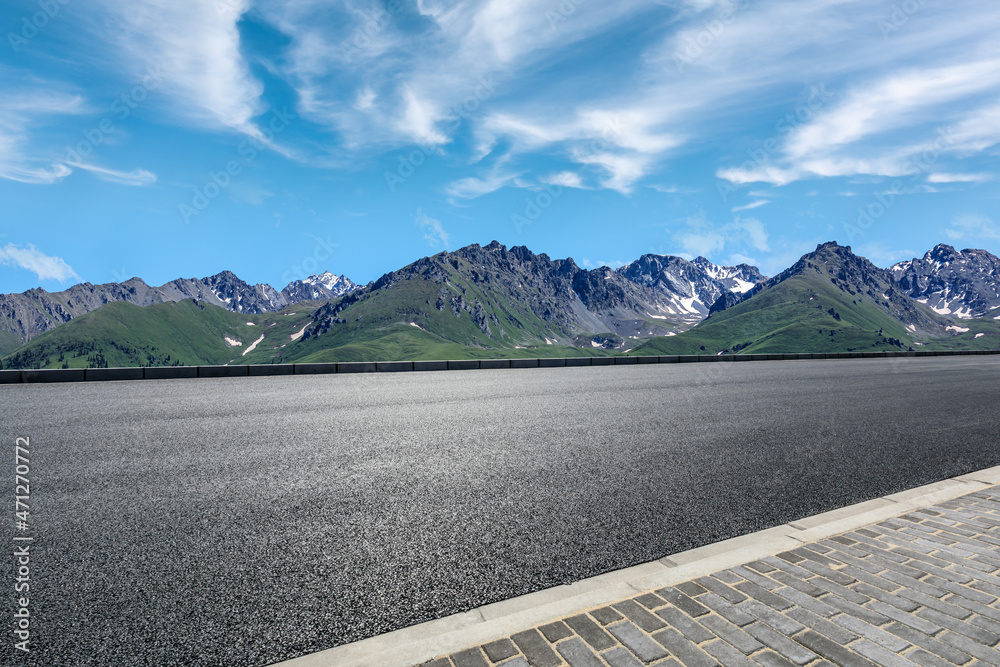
420	643
27	376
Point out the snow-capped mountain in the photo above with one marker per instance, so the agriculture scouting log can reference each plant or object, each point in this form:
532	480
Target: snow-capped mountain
686	290
964	284
313	288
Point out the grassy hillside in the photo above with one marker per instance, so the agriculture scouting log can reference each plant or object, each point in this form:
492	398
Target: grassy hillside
181	333
802	314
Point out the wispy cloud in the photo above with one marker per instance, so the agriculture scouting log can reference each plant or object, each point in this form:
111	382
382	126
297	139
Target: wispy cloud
31	258
752	205
433	230
973	227
136	177
22	112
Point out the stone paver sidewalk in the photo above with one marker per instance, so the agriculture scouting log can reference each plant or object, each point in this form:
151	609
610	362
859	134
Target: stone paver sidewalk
919	589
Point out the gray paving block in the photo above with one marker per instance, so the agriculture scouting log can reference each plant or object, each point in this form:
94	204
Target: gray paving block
620	657
792	650
775	619
683	601
516	662
831	650
974	648
555	631
536	649
761	595
732	634
639	615
499	650
726	654
578	654
470	658
927	643
606	615
772	659
686	652
730	595
726	610
891	642
590	631
691	589
830	630
650	600
687	626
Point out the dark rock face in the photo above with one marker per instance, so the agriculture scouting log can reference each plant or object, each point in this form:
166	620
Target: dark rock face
964	284
654	296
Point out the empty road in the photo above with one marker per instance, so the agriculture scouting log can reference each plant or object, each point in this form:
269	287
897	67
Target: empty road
245	521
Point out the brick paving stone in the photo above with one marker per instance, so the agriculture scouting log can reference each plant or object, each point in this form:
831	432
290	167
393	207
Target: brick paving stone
637	641
591	632
726	654
987	624
811	554
762	595
682	601
830	630
915	622
440	662
555	631
689	654
935	604
891	642
691	588
975	649
732	634
925	659
471	658
772	659
727	577
798	584
953	624
865	614
725	592
536	649
578	654
879	655
848	594
688	626
620	657
650	601
914	584
639	616
761	566
726	610
752	576
878	594
792	650
775	619
606	615
832	650
964	591
499	650
927	643
516	662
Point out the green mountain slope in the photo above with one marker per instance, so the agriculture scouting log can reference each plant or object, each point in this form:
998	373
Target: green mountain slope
830	301
165	334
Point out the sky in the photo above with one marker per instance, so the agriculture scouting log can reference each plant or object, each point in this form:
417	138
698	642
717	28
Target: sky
179	138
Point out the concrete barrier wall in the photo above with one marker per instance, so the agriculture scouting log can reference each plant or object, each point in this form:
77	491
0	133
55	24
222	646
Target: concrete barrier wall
177	372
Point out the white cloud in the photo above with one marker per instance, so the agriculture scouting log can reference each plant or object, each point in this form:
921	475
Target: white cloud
472	187
701	237
136	177
943	177
22	111
752	205
196	45
973	226
434	233
567	179
31	258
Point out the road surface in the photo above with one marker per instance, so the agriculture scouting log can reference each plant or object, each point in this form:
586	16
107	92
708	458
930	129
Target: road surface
249	520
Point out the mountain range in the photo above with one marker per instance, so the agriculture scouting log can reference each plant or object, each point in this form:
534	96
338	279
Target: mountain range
491	301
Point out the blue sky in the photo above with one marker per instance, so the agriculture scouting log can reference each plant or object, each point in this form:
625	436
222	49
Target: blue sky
178	138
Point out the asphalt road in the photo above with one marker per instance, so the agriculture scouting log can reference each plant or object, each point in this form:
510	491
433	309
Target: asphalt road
245	521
